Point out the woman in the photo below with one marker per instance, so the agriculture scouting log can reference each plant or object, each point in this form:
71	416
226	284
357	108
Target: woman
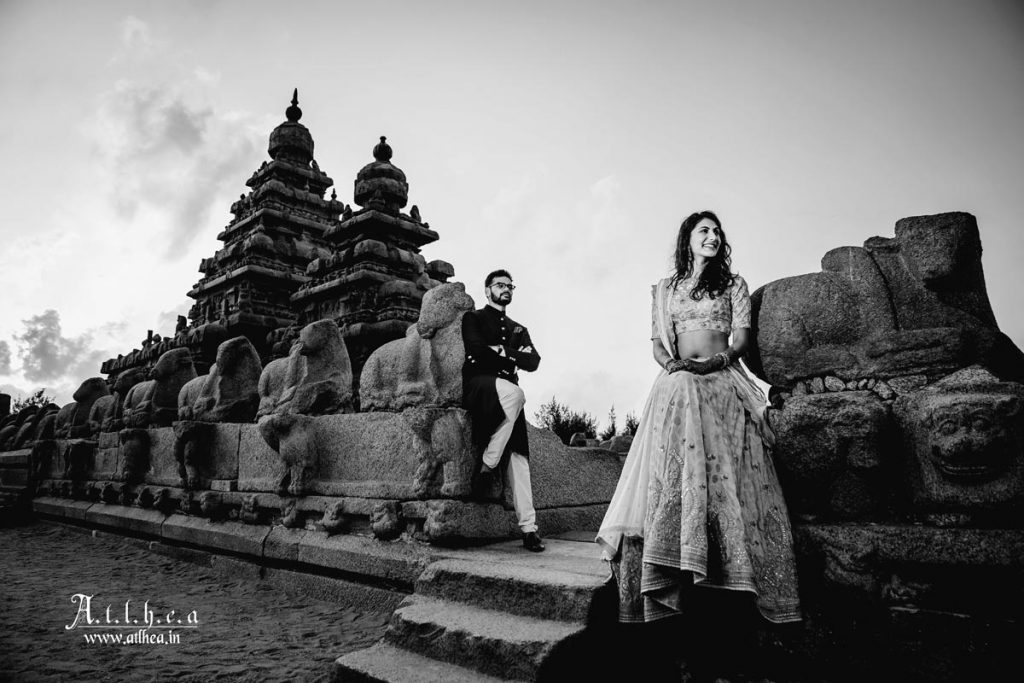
698	501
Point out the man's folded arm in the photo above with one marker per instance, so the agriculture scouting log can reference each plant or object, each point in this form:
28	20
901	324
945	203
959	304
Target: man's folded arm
527	360
477	349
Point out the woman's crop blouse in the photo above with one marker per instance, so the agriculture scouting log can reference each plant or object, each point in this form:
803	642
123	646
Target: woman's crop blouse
726	312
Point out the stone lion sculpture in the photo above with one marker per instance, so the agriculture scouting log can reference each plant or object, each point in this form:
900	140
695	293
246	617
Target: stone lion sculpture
319	376
273	379
229	392
425	367
315	379
107	414
73	418
154	402
913	304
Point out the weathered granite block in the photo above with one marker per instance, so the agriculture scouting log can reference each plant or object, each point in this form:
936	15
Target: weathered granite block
233	537
372	455
283	544
106	463
224	451
452	520
163	467
259	467
135	520
108	440
564	476
397	563
831	450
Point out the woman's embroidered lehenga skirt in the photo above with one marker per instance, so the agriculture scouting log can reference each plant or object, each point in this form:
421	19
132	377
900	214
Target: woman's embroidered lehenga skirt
698	494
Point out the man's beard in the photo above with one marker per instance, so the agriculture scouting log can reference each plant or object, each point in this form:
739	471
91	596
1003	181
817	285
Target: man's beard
503	299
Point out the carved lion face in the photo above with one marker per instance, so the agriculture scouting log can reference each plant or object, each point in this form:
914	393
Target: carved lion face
970	439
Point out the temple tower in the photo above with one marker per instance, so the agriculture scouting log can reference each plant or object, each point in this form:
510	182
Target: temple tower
277	229
373	282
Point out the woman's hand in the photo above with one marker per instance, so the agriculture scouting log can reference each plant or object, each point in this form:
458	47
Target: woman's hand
717	362
678	364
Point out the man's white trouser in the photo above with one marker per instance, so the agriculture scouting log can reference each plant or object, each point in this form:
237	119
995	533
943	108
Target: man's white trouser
512	399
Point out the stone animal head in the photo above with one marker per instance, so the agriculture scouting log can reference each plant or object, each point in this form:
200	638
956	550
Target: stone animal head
965	443
210	504
334	520
939	247
442	306
973	437
175	364
238	355
127	379
322	338
90	390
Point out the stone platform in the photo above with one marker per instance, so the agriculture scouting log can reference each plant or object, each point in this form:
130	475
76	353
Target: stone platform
889	602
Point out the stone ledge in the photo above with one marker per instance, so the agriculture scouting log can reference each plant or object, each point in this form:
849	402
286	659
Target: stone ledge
947	546
233	537
383	663
135	520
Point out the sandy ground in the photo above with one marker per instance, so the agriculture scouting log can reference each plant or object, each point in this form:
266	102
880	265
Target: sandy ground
246	630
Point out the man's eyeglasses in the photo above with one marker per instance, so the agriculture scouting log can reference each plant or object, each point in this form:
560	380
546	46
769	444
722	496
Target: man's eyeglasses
502	285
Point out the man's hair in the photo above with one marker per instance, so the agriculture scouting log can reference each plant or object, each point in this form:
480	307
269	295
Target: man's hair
500	272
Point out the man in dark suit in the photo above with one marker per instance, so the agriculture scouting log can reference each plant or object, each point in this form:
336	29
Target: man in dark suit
497	347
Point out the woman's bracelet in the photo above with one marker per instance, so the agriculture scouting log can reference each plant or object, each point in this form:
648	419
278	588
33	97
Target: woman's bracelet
725	357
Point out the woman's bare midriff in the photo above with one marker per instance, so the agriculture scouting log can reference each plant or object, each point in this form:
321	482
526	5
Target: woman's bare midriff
701	343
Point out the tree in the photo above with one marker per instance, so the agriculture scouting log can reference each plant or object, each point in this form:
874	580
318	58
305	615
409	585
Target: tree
565	422
632	424
35	399
611	429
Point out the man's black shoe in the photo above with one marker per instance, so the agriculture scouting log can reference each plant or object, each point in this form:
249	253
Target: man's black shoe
532	542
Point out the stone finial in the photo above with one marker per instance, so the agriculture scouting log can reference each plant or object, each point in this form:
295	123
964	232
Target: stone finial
293	113
382	150
380	184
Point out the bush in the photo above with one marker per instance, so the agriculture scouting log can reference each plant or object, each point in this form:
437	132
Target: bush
611	429
565	422
38	398
632	424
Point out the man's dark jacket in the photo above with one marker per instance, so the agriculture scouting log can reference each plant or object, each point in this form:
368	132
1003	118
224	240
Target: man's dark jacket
482	329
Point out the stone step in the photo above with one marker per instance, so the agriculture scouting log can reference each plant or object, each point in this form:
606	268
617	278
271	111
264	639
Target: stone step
384	663
492	642
542	592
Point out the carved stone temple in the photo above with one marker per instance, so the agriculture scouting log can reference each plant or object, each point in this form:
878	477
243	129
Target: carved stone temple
307	415
249	413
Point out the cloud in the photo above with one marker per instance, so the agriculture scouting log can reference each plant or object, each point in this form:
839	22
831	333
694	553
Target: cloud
48	356
137	41
5	358
167	155
170	160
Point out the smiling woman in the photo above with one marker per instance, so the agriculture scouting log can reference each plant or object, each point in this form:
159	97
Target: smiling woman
698	502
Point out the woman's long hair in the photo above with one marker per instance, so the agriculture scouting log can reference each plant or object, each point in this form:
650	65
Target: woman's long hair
717	275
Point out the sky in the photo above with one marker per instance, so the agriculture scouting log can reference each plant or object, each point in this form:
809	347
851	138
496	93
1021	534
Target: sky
564	141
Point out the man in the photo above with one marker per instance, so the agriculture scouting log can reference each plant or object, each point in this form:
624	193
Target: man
496	348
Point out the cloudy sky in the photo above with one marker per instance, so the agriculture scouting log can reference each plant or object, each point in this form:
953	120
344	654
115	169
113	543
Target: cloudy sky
564	141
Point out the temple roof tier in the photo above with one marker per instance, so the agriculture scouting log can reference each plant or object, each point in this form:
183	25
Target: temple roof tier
371	224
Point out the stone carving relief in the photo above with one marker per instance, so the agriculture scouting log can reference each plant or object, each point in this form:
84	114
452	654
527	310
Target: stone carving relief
317	380
964	438
915	304
154	402
425	367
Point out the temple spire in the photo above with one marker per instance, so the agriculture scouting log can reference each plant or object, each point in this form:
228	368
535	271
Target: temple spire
293	112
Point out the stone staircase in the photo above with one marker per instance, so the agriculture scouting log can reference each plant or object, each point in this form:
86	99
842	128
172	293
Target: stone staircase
494	615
